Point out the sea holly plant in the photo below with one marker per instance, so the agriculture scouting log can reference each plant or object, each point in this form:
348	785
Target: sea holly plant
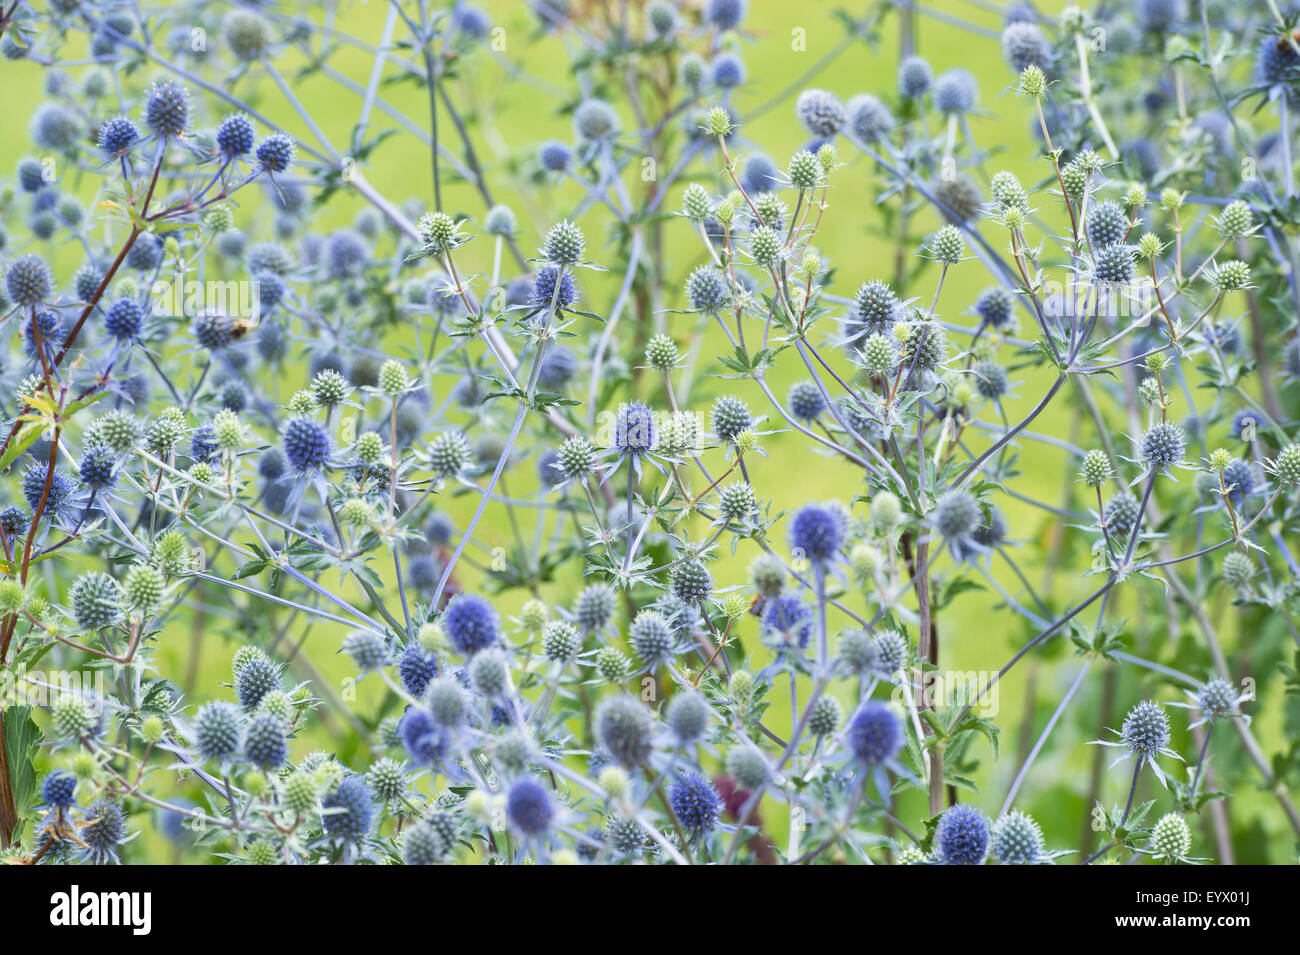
514	434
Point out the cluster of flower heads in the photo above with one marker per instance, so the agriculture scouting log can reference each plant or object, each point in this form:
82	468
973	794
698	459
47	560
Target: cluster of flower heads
515	494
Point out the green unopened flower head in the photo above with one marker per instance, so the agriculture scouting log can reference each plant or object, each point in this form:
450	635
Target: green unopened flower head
886	510
577	456
741	686
1171	840
393	379
72	717
152	729
449	453
560	641
1219	459
879	354
1096	468
1149	391
735	606
432	639
301	403
565	244
1072	19
1007	191
1238	569
771	209
172	554
826	157
227	430
143	587
947	245
615	781
1171	199
218	219
661	353
612	665
690	72
864	561
805	171
696	202
717	122
1286	466
246	33
356	512
439	231
1135	196
369	447
1231	276
300	791
765	246
809	267
532	615
1032	82
13	596
736	501
278	704
1235	221
1074	177
1149	246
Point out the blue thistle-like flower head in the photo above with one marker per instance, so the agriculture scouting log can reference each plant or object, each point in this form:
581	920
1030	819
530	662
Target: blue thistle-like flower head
1017	840
818	532
634	429
787	619
105	831
264	743
59	789
544	290
955	91
425	740
347	811
554	156
217	731
529	808
625	729
1163	446
914	77
471	623
728	71
416	668
874	734
821	113
124	319
235	136
167	109
117	136
962	837
727	14
28	280
275	152
1146	730
13	521
307	444
695	801
97	469
59	494
255	679
759	174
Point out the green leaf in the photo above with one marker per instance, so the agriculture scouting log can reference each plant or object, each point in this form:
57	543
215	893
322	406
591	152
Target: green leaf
23	440
22	737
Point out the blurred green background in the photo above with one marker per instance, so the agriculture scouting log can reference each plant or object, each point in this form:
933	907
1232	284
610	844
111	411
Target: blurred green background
508	114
